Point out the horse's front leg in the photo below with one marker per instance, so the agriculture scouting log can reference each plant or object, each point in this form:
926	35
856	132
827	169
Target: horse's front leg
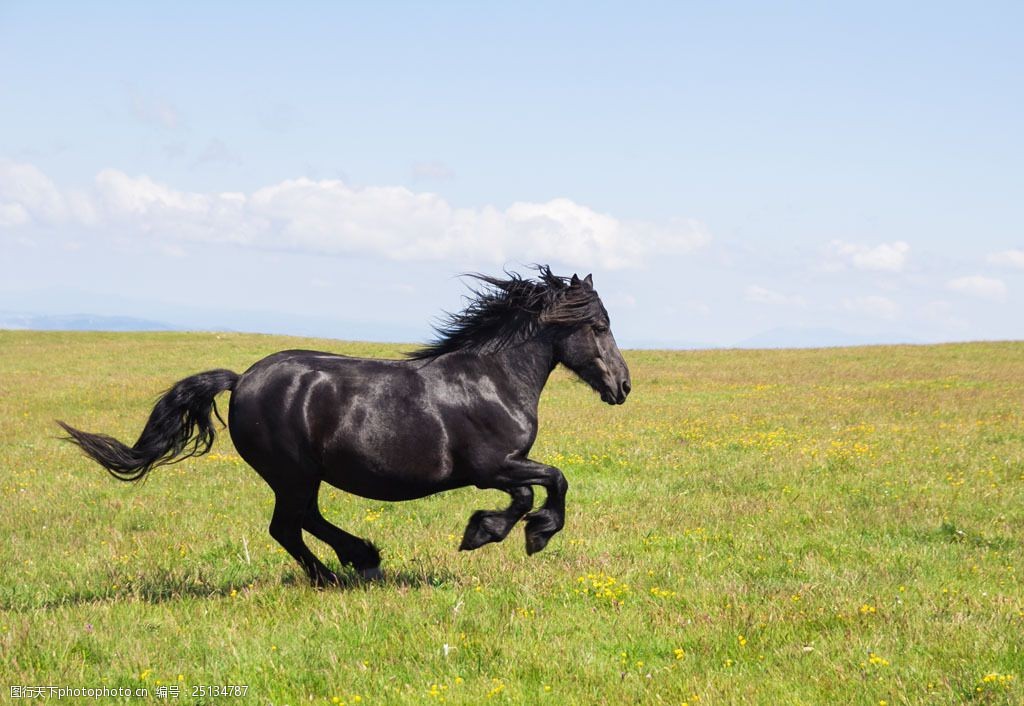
542	524
487	526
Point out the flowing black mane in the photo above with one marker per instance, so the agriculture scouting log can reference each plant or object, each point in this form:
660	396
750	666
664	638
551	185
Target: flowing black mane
506	311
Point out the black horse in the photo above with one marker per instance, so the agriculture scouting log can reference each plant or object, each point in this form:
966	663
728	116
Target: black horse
461	411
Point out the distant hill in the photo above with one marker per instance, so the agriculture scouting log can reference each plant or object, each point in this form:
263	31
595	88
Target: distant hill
238	321
79	322
297	325
818	338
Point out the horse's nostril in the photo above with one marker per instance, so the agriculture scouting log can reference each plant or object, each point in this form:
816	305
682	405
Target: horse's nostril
626	387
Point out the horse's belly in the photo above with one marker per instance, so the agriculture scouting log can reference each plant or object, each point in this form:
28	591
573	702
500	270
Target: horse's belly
391	462
389	488
388	483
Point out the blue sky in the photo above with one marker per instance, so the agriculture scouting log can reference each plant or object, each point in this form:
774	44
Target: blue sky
725	169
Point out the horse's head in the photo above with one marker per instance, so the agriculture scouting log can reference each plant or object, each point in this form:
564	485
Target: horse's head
583	339
565	311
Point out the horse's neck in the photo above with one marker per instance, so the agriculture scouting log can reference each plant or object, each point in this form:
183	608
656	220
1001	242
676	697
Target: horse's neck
530	363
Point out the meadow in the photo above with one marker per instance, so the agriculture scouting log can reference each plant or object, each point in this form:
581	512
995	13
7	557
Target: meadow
838	526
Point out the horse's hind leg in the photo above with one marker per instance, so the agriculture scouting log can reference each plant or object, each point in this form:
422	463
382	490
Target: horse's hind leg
286	528
494	525
358	553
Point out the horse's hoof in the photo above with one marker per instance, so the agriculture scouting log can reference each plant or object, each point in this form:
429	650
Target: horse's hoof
471	541
540	528
483	528
536	542
322	582
371	574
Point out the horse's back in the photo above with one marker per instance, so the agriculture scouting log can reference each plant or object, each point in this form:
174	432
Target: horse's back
312	393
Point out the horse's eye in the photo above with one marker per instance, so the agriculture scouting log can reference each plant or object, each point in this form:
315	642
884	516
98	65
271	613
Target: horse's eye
598	328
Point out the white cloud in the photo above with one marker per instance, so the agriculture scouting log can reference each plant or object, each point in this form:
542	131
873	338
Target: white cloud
26	194
332	217
760	295
873	305
13	214
1009	258
978	286
887	257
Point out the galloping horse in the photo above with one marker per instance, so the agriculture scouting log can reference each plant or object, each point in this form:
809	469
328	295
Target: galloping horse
461	411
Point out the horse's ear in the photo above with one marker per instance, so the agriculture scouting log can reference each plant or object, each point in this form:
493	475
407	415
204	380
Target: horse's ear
589	281
575	281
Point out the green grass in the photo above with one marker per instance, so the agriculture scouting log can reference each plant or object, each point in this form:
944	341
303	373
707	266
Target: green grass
802	527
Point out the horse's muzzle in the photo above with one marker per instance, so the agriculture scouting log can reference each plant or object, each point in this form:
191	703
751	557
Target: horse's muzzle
618	396
624	389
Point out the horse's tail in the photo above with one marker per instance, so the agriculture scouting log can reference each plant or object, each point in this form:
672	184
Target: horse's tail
178	428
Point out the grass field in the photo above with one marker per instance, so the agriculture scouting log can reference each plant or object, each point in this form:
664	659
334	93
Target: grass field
753	527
